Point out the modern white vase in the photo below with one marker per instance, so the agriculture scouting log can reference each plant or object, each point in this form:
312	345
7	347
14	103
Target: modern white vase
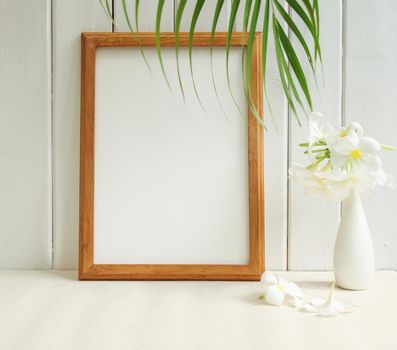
354	261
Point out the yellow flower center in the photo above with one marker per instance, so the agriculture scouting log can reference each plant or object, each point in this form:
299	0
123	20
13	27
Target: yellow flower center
355	154
343	133
280	287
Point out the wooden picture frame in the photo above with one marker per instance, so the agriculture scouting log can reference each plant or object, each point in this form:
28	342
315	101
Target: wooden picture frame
90	271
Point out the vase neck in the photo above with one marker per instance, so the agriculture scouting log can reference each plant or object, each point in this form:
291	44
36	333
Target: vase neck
352	202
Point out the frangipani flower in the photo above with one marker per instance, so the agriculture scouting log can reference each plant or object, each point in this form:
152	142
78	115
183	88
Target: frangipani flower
319	131
329	307
332	186
278	291
357	153
341	158
383	179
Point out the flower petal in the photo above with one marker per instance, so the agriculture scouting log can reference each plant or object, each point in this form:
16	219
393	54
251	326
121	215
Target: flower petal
370	163
314	128
268	278
369	145
308	307
356	128
343	307
293	290
344	146
274	295
294	302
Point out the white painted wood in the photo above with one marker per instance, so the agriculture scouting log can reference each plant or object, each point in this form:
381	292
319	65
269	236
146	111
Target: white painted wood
313	223
25	134
276	162
70	18
171	180
147	16
25	197
371	99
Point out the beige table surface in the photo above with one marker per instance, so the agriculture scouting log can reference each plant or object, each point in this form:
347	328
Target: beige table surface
52	310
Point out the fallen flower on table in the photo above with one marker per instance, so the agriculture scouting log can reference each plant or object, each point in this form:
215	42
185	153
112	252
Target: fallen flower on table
328	307
278	291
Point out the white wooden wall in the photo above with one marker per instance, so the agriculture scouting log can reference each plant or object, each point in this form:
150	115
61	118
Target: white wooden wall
39	127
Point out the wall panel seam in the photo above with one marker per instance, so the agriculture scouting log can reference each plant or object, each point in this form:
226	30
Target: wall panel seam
52	143
343	72
288	160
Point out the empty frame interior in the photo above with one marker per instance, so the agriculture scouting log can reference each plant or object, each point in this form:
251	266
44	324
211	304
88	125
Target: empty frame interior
170	189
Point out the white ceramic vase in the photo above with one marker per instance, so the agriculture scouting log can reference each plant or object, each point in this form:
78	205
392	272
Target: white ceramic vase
354	261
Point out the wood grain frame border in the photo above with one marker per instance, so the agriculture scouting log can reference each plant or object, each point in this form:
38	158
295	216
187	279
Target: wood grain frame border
90	271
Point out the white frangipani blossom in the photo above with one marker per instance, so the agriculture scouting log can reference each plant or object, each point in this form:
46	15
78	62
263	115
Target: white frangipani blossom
341	159
278	291
318	130
328	307
334	186
357	153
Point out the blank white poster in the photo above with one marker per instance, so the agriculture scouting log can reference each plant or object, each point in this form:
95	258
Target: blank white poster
171	179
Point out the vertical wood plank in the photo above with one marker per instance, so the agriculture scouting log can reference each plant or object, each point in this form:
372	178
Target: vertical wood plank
70	18
147	16
276	160
371	99
25	134
313	223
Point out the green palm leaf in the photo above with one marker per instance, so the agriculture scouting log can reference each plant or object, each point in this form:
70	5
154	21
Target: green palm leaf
287	72
160	7
137	15
295	64
232	21
265	35
279	56
317	17
296	31
218	9
309	24
247	13
196	14
294	84
312	14
178	20
127	18
251	37
107	9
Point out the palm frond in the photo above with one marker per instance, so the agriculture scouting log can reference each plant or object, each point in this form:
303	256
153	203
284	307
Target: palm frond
195	17
279	56
218	9
160	7
294	63
108	11
293	78
247	13
291	24
230	28
286	70
178	20
137	16
312	23
127	18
